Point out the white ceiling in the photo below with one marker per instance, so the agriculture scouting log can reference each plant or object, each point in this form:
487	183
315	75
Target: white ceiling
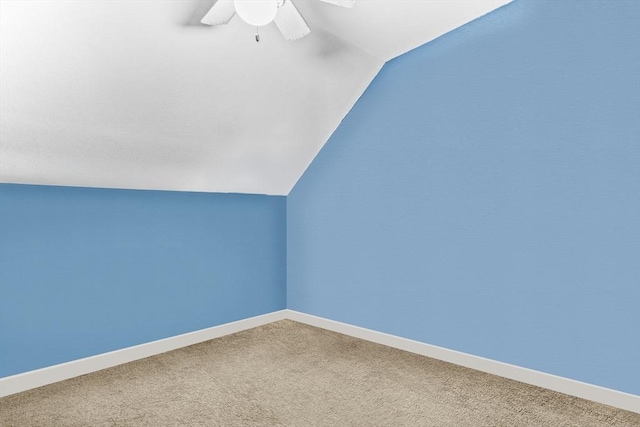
137	94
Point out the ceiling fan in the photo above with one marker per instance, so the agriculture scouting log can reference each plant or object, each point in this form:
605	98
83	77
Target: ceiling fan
261	12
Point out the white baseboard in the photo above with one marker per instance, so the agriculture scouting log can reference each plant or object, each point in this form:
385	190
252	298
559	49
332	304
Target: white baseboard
39	377
568	386
63	371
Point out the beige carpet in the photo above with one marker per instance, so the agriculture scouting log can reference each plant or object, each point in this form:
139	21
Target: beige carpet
289	374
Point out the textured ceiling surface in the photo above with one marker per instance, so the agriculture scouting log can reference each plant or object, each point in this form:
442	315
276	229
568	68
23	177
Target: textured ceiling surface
138	94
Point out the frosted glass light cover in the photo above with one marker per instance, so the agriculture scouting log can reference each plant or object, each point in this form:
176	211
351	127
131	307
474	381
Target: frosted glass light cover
256	12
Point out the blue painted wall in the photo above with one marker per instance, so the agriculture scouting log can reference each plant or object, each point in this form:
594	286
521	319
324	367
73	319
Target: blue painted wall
85	271
483	195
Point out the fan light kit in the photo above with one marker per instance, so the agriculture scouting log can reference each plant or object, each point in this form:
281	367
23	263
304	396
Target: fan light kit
262	12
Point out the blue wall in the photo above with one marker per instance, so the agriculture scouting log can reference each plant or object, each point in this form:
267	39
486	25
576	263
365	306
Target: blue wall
483	195
85	271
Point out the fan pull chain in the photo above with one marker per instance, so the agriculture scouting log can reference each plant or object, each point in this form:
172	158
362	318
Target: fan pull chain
257	35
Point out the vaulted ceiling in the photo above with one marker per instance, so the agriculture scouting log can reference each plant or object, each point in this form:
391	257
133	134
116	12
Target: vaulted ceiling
138	94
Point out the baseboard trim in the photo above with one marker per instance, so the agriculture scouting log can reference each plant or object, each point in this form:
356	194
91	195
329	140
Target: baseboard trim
51	374
568	386
40	377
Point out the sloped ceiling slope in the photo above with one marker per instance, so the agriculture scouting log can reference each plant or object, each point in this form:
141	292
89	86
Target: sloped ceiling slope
137	94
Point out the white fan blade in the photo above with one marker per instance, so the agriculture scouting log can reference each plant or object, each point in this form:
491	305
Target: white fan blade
221	13
290	23
344	3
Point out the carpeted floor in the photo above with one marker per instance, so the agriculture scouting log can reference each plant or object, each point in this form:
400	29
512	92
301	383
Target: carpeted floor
289	374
